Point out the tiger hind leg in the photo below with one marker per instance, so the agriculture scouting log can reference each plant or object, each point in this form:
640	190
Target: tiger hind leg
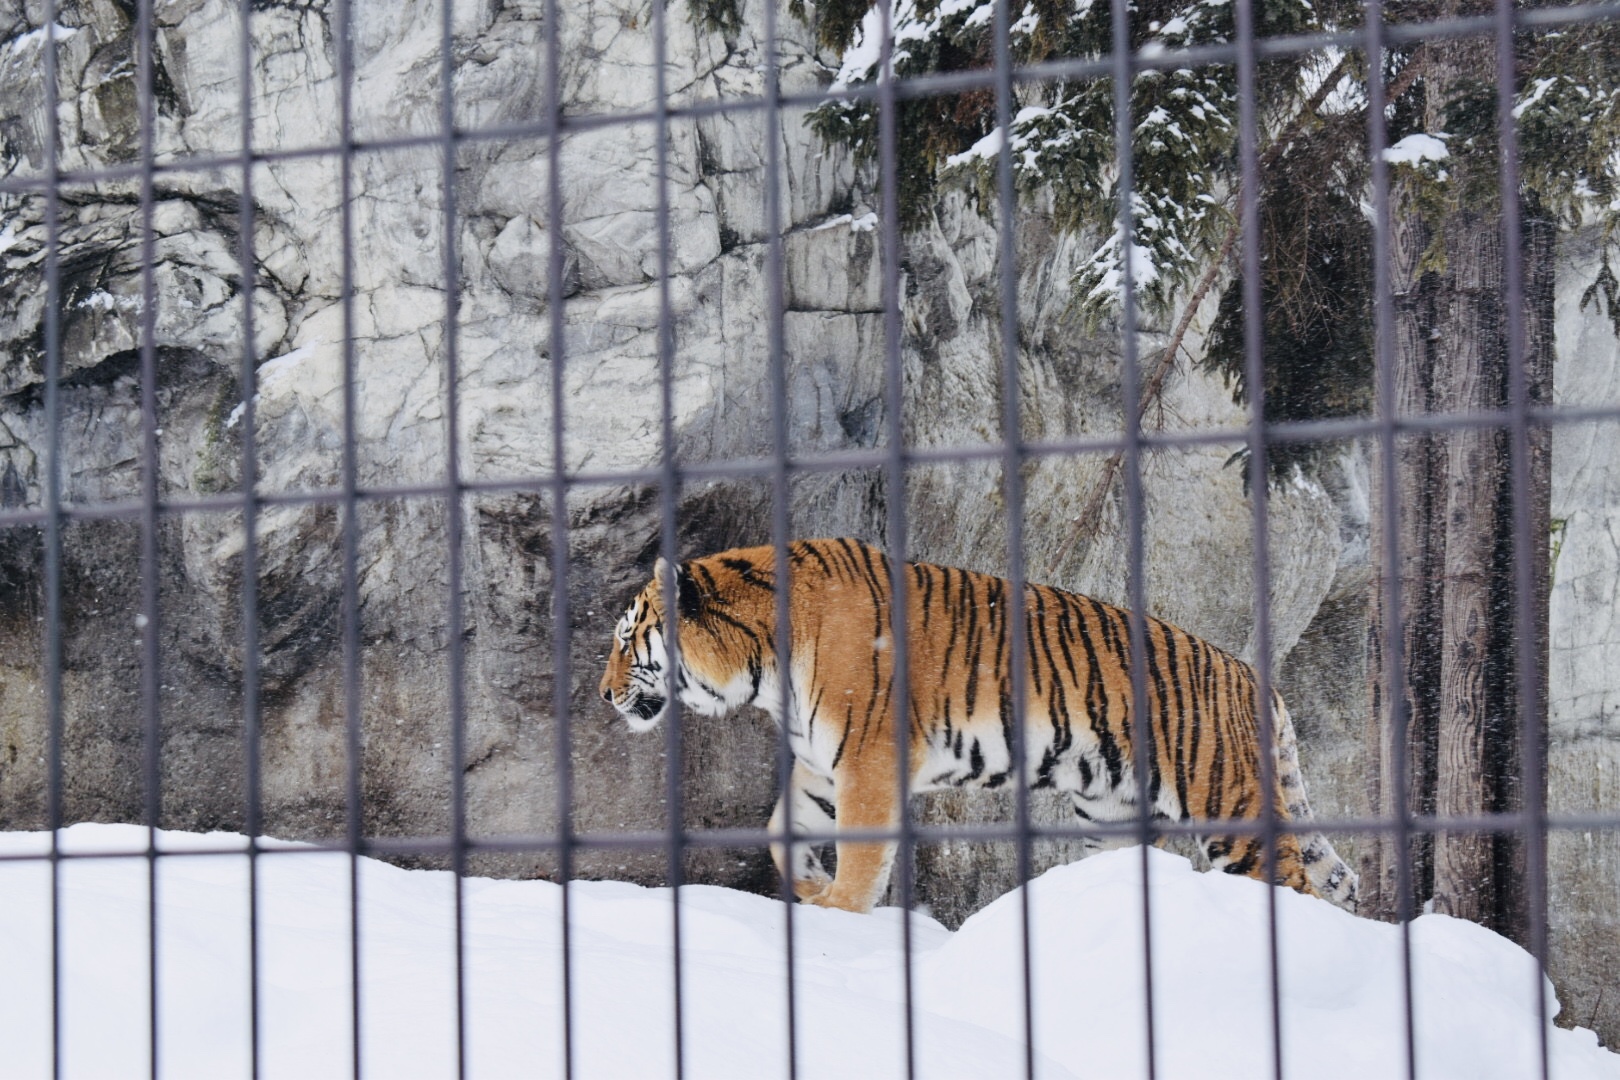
813	812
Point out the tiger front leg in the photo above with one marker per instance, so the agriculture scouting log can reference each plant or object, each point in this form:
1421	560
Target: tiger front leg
867	800
813	812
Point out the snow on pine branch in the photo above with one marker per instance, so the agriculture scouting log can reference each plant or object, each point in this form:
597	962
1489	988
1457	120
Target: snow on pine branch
1569	130
914	22
1062	136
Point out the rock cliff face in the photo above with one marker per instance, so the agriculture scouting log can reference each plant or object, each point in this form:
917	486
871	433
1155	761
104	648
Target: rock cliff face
1583	760
1197	531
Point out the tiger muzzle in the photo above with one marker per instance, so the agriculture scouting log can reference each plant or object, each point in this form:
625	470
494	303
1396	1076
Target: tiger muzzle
647	707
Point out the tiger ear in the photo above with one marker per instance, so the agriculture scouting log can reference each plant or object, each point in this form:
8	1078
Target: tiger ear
688	598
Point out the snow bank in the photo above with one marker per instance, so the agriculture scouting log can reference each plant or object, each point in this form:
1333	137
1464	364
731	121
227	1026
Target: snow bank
1342	1005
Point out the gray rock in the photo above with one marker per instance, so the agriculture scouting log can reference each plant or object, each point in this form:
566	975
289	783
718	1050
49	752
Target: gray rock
1583	764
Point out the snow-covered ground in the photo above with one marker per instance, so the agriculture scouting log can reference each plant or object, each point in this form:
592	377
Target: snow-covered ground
1342	1004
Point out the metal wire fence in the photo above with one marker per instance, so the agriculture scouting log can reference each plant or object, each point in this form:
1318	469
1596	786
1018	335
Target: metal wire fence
1000	77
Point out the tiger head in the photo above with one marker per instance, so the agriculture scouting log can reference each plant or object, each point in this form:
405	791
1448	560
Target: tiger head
634	682
720	666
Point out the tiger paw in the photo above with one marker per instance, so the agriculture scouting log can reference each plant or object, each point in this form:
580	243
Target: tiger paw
832	898
807	889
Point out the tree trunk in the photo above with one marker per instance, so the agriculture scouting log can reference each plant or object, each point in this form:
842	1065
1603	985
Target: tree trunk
1405	714
1476	708
1458	708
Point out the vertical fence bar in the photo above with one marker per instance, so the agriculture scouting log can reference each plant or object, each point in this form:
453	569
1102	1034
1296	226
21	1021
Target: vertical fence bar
253	817
561	613
781	507
668	501
1012	456
151	729
354	810
1526	639
894	475
1142	749
1388	430
1020	633
456	644
1259	486
52	483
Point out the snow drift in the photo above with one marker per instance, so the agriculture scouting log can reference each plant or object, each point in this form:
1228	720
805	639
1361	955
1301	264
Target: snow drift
1340	977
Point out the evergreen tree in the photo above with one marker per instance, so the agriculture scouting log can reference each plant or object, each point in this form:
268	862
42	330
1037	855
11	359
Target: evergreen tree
1458	704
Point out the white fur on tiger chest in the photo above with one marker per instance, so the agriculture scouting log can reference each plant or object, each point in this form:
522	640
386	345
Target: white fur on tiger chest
713	698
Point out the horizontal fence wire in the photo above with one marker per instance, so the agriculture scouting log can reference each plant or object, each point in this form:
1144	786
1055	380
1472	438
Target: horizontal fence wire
1494	824
148	507
1276	433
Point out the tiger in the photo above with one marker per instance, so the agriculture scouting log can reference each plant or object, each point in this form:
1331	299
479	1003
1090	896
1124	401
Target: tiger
839	707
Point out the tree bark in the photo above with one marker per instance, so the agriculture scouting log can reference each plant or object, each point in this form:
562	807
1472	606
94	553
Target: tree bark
1475	709
1458	707
1404	715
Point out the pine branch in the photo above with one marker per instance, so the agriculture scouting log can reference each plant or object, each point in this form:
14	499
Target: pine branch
1085	525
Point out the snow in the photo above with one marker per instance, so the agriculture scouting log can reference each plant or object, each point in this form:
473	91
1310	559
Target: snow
1536	92
278	367
866	49
981	16
1417	148
987	147
37	37
1342	1004
102	300
983	150
865	223
909	24
1111	284
273	371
